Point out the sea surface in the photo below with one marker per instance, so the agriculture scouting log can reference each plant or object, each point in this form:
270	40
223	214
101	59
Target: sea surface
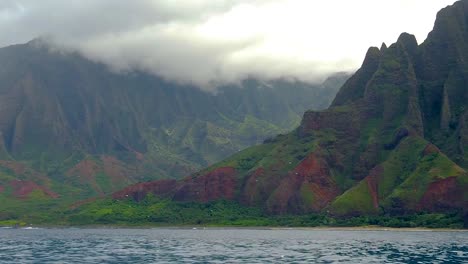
230	246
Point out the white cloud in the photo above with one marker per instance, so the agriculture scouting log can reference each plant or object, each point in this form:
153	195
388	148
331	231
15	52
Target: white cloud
205	41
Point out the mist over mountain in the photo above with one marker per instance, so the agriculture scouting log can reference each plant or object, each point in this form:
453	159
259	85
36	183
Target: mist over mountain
212	43
72	128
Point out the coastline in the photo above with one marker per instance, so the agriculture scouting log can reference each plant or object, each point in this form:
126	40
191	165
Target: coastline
211	227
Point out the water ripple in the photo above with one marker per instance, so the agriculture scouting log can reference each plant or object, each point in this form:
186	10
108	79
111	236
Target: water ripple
229	246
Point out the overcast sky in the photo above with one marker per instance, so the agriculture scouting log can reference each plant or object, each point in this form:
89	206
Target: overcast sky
210	41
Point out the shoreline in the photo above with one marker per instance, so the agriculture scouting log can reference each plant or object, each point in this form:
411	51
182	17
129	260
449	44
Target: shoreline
274	228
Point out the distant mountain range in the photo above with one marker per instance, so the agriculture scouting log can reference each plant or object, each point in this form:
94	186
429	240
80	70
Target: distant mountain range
393	142
71	129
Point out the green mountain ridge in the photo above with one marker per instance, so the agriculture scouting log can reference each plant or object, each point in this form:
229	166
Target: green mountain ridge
393	143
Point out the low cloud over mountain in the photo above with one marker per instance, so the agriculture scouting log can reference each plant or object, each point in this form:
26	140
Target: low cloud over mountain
207	42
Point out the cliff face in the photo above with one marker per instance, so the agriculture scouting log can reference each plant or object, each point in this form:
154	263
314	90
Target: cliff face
394	139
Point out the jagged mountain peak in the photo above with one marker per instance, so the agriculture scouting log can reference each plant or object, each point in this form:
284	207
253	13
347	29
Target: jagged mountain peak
409	43
383	47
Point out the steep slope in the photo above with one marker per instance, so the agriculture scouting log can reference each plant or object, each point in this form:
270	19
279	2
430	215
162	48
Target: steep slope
393	141
72	129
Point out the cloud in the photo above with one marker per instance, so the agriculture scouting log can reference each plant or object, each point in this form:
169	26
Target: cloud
208	42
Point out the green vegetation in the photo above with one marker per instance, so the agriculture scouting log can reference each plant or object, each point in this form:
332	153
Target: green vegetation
430	168
289	150
355	201
399	164
306	194
12	223
244	160
160	212
164	212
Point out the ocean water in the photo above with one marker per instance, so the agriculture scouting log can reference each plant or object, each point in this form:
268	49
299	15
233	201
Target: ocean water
230	246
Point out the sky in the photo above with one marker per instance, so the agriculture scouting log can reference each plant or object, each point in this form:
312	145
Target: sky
209	42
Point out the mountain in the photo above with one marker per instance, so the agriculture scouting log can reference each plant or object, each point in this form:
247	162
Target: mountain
71	129
393	142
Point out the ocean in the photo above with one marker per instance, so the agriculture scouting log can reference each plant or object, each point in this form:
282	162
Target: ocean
226	245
